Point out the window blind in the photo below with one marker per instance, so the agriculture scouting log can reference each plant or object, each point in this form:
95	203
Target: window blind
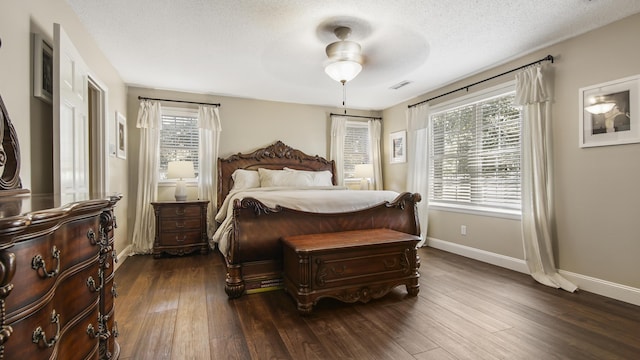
179	139
356	147
475	153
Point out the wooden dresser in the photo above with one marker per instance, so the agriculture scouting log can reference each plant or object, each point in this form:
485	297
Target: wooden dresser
56	278
181	227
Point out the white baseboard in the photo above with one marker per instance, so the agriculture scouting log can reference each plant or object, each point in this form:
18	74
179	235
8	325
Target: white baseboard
481	255
122	256
597	286
616	291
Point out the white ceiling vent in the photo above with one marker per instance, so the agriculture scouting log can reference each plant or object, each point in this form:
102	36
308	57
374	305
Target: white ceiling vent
400	84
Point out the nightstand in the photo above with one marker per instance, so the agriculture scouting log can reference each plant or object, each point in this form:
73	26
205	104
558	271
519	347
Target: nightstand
181	227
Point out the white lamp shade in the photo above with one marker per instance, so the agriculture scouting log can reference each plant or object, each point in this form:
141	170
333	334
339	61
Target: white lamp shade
343	70
180	170
364	171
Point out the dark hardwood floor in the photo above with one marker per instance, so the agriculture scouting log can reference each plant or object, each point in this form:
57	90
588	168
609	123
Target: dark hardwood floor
176	308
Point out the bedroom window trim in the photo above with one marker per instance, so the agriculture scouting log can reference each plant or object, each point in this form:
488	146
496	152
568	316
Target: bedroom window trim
363	125
174	111
472	202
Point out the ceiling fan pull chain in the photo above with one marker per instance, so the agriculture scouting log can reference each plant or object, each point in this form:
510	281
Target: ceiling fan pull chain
344	97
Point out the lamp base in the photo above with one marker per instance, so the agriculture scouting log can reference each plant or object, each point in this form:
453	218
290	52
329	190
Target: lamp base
181	191
364	184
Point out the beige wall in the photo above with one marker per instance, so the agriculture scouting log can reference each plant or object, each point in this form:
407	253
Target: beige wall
247	124
597	200
33	118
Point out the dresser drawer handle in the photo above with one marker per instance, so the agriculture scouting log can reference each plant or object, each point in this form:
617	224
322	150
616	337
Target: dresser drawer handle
180	211
39	334
103	334
38	263
114	290
114	329
92	284
178	239
179	224
91	235
91	331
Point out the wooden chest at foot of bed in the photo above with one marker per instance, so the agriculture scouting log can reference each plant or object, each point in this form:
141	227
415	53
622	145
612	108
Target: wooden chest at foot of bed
349	266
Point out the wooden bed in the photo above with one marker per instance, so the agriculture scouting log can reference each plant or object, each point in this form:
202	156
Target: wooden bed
254	256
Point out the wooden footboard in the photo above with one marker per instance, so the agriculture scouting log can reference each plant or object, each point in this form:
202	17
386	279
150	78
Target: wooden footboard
255	253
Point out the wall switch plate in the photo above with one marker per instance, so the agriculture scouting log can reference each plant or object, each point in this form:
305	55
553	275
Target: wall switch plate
463	230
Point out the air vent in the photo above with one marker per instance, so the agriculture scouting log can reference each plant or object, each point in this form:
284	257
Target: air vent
400	84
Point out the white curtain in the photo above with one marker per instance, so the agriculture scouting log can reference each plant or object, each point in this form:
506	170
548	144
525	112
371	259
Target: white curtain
375	130
533	94
338	133
210	128
418	162
149	122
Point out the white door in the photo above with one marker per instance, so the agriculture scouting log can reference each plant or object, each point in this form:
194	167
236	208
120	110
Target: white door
70	120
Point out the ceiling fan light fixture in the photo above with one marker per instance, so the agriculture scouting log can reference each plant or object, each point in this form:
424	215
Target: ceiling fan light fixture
344	50
343	70
345	60
600	107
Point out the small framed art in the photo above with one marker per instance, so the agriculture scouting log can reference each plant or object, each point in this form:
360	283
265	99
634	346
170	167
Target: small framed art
42	69
610	113
121	136
398	147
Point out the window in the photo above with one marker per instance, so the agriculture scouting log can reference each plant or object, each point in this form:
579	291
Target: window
356	148
475	152
179	138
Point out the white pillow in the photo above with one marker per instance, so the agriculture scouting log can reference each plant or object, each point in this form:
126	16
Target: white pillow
269	178
245	179
318	178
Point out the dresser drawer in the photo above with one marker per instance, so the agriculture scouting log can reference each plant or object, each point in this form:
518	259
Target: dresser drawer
49	259
73	343
179	224
73	292
71	304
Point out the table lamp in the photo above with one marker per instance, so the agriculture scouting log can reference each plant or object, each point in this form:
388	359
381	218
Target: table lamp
365	173
180	170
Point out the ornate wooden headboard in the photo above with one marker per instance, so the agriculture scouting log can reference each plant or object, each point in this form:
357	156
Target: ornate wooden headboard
276	156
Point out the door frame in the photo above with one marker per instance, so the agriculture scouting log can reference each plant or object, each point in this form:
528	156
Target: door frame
100	134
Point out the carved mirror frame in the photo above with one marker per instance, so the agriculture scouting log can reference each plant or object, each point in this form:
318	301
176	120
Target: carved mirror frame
10	183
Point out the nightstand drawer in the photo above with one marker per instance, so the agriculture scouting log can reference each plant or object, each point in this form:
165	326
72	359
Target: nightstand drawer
181	210
181	238
180	224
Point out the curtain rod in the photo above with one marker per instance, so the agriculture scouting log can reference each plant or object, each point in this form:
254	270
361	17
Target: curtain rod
180	101
357	116
546	58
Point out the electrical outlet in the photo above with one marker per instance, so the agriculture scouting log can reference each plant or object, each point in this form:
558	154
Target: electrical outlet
463	230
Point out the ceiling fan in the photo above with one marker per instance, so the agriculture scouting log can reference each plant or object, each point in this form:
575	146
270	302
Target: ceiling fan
344	57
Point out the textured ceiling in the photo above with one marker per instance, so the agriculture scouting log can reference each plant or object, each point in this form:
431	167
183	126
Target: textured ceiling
274	49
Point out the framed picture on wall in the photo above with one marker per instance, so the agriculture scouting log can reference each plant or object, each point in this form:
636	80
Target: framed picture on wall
609	113
398	147
121	136
42	69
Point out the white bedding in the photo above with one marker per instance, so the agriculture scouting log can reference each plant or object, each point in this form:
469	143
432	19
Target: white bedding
330	199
